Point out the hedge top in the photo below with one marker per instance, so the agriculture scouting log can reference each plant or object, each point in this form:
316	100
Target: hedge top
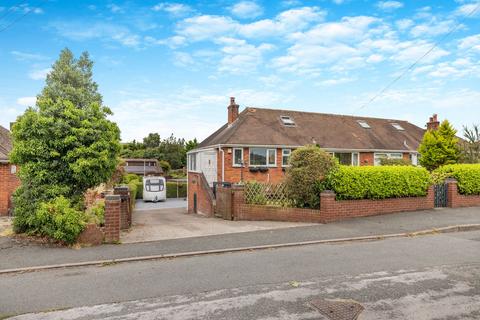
467	175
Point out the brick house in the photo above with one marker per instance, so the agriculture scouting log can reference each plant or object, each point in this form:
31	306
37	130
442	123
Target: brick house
255	144
8	179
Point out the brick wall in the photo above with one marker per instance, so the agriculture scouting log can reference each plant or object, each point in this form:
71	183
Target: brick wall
8	183
111	230
198	188
367	159
457	200
125	207
330	209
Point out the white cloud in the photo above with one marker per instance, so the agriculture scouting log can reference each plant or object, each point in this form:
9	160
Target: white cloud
183	59
39	74
247	10
389	5
404	24
206	27
469	9
470	43
175	9
338	1
27	101
410	51
433	28
374	58
25	56
115	8
82	31
334	82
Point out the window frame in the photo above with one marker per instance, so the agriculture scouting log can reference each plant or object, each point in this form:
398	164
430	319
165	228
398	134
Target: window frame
364	124
389	155
353	155
237	165
288	156
267	151
192	162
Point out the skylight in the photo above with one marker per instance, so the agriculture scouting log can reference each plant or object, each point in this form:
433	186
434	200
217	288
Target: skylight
287	121
397	126
363	124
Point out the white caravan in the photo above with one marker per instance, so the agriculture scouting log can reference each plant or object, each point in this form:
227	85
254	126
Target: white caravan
154	189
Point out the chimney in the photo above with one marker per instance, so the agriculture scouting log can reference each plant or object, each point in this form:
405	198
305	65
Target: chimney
433	123
232	111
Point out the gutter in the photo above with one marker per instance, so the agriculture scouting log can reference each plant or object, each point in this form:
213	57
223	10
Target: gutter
223	162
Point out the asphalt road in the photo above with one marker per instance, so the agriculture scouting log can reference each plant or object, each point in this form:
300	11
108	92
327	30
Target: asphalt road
429	277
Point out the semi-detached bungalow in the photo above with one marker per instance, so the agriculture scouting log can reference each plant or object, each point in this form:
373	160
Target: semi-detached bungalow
255	144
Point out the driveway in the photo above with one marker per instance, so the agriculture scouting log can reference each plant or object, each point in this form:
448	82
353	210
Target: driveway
140	205
174	222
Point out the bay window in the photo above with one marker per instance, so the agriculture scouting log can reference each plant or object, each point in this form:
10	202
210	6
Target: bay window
263	157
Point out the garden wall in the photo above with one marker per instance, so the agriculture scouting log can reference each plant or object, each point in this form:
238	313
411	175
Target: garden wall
457	200
200	195
330	209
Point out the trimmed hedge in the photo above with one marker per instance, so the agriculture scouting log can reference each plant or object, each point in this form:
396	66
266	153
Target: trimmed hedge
379	182
467	175
172	190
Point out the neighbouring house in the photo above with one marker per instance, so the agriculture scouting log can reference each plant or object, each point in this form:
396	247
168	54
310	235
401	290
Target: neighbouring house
8	178
143	167
255	144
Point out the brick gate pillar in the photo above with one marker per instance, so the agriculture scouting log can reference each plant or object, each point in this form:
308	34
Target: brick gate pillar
126	213
452	193
112	218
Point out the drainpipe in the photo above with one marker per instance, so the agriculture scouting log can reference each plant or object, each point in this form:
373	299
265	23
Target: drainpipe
223	163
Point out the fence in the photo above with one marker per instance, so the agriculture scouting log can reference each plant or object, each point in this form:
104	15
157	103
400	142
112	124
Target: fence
267	194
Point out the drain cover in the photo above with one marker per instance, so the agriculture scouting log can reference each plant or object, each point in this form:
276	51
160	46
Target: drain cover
338	309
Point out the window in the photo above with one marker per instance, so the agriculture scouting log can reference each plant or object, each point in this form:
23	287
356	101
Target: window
13	169
192	162
355	160
237	157
344	158
286	156
154	185
287	121
397	126
379	156
263	157
414	159
363	124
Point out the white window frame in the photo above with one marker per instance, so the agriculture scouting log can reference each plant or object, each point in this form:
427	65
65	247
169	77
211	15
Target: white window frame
286	155
267	151
237	165
389	155
192	162
356	154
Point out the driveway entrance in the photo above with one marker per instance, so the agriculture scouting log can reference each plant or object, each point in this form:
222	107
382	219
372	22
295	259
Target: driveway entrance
170	220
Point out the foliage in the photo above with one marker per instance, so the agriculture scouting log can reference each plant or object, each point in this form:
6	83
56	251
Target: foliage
467	175
395	162
306	175
470	146
439	147
65	144
57	219
166	167
172	190
177	174
96	213
191	144
139	190
171	149
127	178
380	182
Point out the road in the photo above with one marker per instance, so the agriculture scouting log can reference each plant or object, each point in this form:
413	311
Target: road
428	277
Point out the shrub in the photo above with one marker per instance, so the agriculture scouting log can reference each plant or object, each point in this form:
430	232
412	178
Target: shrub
172	190
129	177
96	213
467	175
308	169
133	186
379	182
395	162
57	219
439	147
139	190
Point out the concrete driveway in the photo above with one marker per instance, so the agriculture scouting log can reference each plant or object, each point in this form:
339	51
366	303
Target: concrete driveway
140	205
175	222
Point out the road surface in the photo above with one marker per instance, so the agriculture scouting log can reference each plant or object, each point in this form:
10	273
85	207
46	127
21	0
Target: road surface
428	277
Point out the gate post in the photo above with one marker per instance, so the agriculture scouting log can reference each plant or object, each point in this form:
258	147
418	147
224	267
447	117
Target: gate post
112	218
452	192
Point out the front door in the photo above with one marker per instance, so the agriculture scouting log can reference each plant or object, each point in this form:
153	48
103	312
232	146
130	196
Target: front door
209	166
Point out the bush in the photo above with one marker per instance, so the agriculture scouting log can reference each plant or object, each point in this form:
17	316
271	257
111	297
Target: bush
306	175
96	213
129	177
139	190
467	175
57	219
395	162
379	182
172	190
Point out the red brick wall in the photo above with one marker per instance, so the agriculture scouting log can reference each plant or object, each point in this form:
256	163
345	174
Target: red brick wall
367	159
113	205
330	209
457	200
8	183
205	201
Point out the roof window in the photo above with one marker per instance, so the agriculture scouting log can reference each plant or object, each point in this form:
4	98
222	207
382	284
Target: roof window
287	121
363	124
397	126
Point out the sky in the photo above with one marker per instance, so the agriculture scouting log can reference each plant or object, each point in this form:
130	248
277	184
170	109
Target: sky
170	67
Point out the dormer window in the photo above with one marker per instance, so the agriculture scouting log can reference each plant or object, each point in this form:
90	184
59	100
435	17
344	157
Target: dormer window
363	124
287	121
397	126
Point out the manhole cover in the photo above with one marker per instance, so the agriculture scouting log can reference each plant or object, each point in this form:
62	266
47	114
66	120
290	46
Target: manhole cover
338	309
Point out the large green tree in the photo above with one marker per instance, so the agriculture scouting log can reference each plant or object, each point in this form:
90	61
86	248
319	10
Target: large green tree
471	144
439	147
65	144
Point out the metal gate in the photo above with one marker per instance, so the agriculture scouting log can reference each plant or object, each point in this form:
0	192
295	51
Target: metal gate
440	195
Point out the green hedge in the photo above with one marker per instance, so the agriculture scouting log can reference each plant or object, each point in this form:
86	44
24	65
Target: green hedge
467	175
139	190
172	190
380	182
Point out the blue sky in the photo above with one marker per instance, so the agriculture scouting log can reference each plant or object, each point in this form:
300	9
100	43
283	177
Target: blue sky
170	67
